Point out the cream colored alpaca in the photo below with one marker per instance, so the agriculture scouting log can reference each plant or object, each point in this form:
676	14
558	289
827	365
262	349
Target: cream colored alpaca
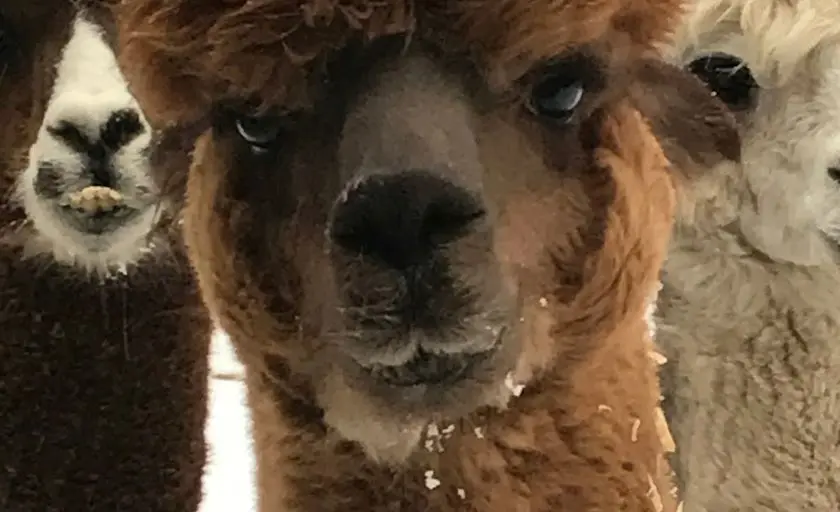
750	311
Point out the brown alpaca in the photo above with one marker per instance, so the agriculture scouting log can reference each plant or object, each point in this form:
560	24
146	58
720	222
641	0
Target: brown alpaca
103	372
431	230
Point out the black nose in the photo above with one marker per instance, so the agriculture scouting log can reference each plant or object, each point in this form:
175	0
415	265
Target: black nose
401	218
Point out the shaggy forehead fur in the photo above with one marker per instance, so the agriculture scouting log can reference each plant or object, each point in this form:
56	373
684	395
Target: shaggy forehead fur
273	50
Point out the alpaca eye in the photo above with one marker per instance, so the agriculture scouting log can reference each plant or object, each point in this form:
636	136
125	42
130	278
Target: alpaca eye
556	96
729	77
834	173
261	132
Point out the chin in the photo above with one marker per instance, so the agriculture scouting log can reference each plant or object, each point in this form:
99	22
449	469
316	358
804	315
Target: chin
388	408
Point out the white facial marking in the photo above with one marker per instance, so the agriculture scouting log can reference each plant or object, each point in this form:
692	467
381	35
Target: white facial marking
88	89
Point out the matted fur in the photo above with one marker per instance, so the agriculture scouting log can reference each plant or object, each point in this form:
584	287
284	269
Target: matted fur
749	316
103	379
580	221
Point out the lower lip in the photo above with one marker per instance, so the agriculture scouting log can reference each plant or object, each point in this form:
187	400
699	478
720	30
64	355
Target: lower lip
98	226
471	362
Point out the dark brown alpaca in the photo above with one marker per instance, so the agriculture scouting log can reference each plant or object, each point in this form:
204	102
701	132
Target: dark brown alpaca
431	230
103	371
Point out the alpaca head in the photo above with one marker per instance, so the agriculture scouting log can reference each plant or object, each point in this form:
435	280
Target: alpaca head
398	208
777	66
74	140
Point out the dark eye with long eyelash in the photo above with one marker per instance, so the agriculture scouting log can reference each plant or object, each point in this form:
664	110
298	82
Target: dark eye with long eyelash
262	133
728	77
558	92
834	173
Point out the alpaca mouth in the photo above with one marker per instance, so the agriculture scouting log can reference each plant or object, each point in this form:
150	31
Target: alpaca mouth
432	369
96	210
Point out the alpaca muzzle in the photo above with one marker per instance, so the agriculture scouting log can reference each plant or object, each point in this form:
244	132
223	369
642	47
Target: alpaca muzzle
406	248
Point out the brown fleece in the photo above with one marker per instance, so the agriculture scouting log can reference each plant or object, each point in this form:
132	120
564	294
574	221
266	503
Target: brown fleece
582	217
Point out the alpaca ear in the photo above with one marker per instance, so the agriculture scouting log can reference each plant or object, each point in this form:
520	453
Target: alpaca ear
695	128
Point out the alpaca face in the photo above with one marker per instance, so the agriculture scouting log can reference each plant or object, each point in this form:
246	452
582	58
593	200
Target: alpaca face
778	68
84	183
394	212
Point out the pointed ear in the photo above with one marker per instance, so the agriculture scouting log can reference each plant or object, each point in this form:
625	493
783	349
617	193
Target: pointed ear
695	128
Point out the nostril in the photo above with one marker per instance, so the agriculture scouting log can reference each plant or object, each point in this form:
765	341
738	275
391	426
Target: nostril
49	182
834	173
400	218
